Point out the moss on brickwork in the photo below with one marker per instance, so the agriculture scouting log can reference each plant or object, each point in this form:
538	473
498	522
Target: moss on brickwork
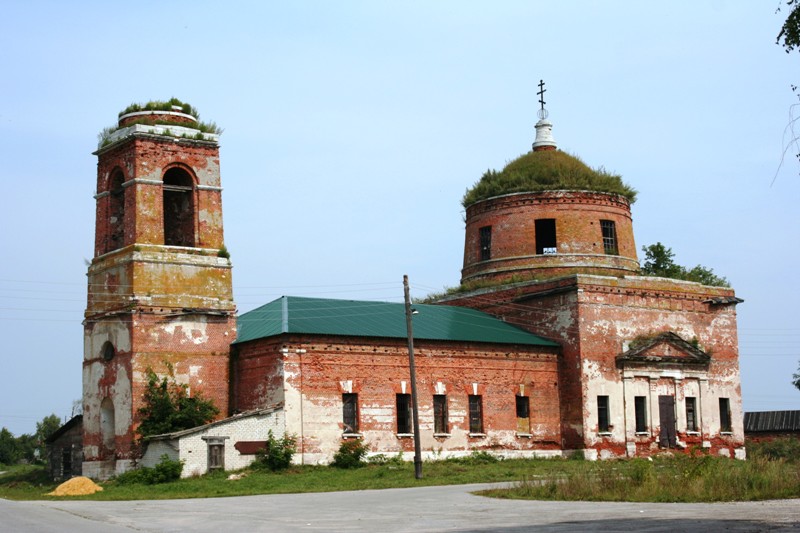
547	170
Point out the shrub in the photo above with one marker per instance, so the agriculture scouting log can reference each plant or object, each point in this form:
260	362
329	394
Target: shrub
477	457
167	406
278	453
351	454
381	459
165	471
577	455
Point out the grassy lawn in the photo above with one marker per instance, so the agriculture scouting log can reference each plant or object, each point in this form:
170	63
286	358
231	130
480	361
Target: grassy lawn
678	479
26	483
665	479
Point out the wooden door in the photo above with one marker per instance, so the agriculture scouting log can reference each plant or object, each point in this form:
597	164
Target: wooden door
666	414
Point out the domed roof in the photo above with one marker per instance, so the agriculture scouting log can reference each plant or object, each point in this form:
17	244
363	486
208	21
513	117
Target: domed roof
546	170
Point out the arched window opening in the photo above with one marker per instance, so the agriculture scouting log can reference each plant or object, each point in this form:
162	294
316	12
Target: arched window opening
107	431
108	351
178	208
116	212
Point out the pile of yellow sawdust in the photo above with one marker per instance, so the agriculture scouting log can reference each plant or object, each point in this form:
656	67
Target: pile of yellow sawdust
76	486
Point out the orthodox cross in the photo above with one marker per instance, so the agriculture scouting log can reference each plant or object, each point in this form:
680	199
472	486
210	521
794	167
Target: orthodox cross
542	112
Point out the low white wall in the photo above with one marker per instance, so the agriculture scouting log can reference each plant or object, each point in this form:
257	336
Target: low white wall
193	450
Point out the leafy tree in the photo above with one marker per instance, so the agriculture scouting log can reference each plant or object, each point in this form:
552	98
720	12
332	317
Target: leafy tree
47	427
30	449
10	452
790	31
168	406
659	261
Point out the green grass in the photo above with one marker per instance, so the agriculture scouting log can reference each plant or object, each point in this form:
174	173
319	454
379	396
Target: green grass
32	484
678	479
546	171
24	482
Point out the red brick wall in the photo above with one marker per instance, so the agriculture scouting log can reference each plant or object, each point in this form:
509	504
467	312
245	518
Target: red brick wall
375	370
148	157
579	237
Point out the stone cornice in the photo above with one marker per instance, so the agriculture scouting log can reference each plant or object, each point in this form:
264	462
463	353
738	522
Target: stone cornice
570	197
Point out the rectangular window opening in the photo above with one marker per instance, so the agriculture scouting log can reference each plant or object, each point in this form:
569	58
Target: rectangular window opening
725	415
404	424
440	425
350	412
475	414
691	413
546	243
609	230
523	414
486	243
640	406
603	423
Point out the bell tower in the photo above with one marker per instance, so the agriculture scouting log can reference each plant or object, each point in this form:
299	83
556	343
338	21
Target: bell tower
159	285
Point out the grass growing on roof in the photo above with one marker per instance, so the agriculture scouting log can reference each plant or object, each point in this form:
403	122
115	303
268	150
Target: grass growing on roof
547	170
162	105
159	105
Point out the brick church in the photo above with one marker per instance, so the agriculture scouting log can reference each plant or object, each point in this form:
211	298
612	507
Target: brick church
553	344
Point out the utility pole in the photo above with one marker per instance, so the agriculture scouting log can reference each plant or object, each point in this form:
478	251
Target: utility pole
415	414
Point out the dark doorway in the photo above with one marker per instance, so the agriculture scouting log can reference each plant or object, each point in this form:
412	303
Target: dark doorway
666	413
66	463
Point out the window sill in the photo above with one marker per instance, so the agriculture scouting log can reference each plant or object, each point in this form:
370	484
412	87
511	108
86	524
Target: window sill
524	436
405	435
441	435
477	435
640	433
604	433
352	436
726	433
693	433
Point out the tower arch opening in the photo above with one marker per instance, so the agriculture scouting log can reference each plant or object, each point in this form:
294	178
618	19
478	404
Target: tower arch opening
116	212
179	208
107	425
108	352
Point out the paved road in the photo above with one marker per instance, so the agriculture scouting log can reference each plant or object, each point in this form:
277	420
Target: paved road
417	510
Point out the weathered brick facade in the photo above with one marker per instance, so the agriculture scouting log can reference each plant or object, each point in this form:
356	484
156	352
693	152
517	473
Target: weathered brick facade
596	318
159	286
310	374
582	288
641	363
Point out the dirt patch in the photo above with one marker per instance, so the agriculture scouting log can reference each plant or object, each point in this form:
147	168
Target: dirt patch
77	486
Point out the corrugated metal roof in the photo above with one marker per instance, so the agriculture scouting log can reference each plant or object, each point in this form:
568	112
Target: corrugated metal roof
772	421
320	316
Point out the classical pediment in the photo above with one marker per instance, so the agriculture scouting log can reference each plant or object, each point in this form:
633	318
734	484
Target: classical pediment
663	348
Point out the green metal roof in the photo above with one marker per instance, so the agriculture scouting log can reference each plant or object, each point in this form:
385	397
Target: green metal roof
321	316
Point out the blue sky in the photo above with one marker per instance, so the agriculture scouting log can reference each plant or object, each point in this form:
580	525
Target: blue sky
352	130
